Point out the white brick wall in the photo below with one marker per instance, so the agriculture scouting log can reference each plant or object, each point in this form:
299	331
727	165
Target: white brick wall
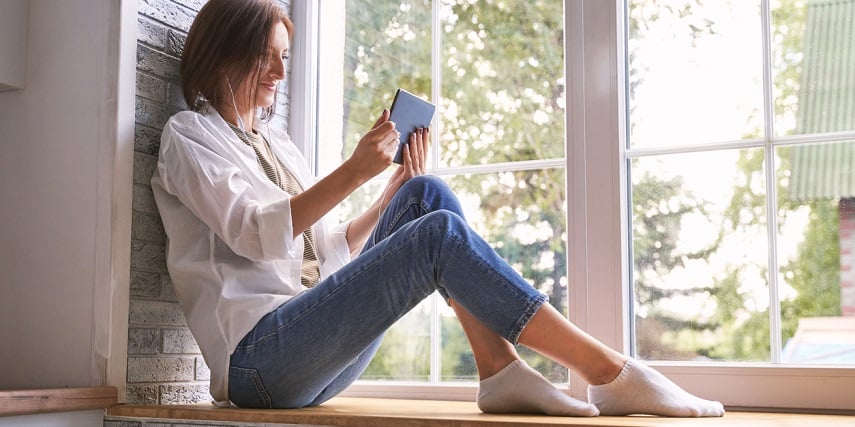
164	363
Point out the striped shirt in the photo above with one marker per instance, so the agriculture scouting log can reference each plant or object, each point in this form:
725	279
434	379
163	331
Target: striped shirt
284	179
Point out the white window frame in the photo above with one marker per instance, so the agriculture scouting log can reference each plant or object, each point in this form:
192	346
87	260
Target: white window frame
598	235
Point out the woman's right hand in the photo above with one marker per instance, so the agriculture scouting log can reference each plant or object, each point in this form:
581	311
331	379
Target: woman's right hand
376	150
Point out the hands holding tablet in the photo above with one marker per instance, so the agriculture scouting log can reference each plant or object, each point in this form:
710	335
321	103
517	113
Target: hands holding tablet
373	155
414	157
402	132
409	113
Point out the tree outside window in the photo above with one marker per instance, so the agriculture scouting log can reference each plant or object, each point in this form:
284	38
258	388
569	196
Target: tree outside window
710	281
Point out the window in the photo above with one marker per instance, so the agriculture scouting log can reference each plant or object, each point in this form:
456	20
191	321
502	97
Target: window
496	73
691	174
738	134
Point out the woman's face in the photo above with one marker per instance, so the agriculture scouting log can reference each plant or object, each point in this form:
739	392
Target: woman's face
264	92
275	70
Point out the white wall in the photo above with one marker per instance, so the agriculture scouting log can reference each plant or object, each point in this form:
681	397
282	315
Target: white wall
13	43
58	150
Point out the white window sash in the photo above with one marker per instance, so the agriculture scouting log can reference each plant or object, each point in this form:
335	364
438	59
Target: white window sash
303	121
598	235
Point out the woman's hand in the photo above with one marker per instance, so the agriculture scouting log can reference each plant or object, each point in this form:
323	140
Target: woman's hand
375	151
372	155
416	152
415	160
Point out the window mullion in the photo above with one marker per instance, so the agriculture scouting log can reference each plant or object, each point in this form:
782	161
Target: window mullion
304	80
771	187
436	86
595	221
436	81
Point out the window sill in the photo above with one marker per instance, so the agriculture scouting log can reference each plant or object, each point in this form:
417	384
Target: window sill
364	412
28	402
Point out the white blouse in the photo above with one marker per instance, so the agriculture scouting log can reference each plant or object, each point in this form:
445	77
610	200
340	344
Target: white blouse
231	253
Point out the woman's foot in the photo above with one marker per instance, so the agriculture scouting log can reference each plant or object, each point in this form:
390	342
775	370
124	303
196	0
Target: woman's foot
639	389
518	388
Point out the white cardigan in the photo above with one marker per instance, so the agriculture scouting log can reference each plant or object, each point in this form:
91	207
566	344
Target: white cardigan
231	253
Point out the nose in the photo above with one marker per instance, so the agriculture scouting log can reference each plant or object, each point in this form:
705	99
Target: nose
277	68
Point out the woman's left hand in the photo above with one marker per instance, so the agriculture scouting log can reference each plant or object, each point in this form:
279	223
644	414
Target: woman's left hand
414	155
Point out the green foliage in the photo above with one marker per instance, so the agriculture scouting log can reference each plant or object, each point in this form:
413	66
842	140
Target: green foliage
745	332
405	352
739	327
659	206
503	70
815	273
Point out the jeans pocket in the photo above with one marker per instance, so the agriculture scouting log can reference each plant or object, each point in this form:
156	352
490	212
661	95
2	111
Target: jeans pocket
247	390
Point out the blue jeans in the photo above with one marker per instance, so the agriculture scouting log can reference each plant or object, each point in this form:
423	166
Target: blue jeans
315	345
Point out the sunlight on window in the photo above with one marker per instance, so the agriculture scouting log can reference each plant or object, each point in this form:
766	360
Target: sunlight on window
710	281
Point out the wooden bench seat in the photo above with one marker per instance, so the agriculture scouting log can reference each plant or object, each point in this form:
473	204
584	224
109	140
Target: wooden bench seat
370	412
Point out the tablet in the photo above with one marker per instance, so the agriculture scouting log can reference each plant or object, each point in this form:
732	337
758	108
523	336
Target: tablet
409	112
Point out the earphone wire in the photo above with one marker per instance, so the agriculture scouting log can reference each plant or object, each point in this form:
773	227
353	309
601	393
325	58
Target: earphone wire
234	104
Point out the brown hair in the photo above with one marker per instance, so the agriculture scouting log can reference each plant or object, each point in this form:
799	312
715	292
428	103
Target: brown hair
228	39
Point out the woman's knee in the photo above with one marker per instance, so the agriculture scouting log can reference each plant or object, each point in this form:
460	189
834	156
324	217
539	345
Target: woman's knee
434	192
446	222
425	183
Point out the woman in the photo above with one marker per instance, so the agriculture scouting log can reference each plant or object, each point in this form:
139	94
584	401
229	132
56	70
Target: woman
287	311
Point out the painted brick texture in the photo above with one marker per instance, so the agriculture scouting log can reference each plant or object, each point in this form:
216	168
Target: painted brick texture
164	362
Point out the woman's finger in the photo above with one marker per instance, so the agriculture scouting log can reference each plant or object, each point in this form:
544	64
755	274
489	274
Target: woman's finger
426	140
422	148
383	117
407	162
415	151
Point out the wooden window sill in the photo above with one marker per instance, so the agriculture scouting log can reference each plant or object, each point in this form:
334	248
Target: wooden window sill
28	402
370	412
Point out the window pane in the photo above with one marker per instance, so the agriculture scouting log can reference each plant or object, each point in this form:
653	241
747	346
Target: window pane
699	256
523	216
387	45
404	354
815	245
815	87
695	71
814	62
502	81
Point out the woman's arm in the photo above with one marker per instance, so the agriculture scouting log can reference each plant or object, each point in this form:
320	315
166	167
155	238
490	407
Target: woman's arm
372	155
415	155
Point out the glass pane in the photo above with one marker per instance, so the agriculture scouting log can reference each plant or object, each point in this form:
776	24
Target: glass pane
387	45
813	52
502	81
695	72
699	256
815	246
523	215
359	201
404	354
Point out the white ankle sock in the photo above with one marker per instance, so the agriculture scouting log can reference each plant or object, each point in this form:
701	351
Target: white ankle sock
639	389
518	388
